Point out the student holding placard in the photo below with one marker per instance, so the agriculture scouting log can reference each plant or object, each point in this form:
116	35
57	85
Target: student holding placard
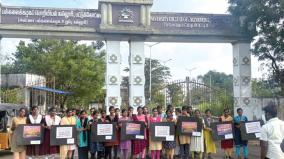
34	118
130	112
238	120
210	146
177	149
139	146
125	146
169	146
19	152
197	141
111	145
48	121
227	145
155	146
67	150
184	140
82	126
96	148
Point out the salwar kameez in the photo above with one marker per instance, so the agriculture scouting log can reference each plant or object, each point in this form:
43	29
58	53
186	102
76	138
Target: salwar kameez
65	148
139	146
227	145
46	148
34	150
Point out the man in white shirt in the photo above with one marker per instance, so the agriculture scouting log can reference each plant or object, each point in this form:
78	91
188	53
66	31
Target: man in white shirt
272	134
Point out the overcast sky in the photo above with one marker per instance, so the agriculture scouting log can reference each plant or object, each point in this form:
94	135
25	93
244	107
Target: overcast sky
201	56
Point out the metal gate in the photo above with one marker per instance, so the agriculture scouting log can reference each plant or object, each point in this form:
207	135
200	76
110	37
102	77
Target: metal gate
193	93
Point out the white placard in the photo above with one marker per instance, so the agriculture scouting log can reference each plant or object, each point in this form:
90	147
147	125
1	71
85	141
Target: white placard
35	142
229	136
64	132
70	141
139	137
162	131
170	138
108	137
253	127
257	135
196	133
104	129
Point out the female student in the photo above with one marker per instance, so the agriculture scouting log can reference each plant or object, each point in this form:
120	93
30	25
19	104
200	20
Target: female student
48	121
155	146
125	146
210	146
239	142
67	150
82	126
112	145
34	118
19	152
169	146
227	145
184	140
197	142
139	146
96	148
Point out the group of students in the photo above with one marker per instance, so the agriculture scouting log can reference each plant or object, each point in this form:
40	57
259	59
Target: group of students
199	146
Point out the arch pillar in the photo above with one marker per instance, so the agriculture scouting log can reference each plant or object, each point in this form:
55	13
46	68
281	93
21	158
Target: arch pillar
136	77
242	80
113	77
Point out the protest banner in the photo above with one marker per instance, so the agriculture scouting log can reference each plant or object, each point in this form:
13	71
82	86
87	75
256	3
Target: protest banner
63	135
29	134
162	131
189	126
132	130
251	130
222	130
103	132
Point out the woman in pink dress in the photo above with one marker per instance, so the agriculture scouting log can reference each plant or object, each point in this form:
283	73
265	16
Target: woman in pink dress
155	146
125	146
139	146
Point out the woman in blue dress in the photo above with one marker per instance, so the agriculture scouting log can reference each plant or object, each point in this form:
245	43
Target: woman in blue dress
239	142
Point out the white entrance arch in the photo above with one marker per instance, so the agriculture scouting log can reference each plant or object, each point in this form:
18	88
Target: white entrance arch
133	21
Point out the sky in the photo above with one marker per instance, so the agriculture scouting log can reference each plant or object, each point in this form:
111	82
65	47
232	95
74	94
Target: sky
180	57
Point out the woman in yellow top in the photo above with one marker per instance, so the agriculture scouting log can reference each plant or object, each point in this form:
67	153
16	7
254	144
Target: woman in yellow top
184	140
67	150
210	146
19	151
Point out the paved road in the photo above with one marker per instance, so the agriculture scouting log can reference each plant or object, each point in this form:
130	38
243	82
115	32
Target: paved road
254	153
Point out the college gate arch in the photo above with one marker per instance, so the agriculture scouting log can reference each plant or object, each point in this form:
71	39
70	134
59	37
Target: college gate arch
133	21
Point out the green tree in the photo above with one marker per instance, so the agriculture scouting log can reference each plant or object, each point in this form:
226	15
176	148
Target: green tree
264	88
160	75
76	67
262	21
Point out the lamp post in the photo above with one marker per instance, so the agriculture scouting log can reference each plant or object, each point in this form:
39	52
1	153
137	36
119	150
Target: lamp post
150	69
187	85
165	89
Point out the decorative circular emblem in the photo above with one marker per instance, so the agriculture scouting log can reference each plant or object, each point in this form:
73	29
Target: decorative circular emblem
236	101
137	80
246	61
246	101
246	80
236	82
137	100
113	58
113	100
137	59
235	62
113	80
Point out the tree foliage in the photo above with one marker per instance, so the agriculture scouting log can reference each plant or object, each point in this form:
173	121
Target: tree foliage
218	80
76	67
160	75
264	88
263	21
